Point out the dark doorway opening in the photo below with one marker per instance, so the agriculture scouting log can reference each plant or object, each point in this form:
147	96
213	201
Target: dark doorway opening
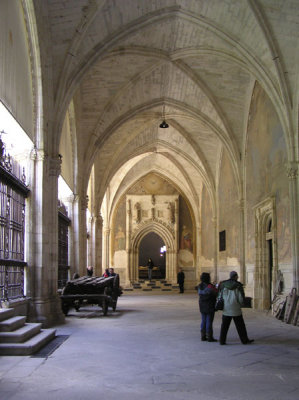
150	247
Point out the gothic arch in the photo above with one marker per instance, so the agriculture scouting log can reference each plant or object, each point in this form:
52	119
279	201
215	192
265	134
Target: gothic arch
169	237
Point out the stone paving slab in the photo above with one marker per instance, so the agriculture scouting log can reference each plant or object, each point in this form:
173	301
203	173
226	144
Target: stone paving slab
150	348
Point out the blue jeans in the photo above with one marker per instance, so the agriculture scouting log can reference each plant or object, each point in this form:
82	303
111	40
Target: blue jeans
207	322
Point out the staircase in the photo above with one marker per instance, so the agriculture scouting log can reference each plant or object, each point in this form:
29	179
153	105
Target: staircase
154	286
18	338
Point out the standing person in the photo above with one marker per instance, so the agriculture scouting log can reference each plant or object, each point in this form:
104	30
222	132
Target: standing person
181	280
233	296
106	274
89	271
150	266
207	297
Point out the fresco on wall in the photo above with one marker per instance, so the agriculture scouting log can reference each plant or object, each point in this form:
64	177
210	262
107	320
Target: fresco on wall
207	230
229	211
152	184
266	171
186	239
119	230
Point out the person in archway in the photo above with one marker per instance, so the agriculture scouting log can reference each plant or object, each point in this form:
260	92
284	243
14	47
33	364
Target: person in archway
233	295
207	297
181	280
150	266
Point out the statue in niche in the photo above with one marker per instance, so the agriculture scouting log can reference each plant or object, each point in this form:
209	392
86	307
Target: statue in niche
153	200
153	213
120	240
186	239
137	212
170	209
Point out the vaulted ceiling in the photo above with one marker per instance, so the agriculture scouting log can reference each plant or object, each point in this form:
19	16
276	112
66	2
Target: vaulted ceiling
129	64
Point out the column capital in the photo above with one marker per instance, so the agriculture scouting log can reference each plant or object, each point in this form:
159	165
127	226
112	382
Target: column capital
37	154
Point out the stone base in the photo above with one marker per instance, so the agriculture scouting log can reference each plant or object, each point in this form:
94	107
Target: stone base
47	311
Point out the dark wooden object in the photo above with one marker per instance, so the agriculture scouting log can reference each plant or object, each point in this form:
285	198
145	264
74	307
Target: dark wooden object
94	290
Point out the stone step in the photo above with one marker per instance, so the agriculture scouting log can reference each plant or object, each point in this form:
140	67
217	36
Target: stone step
6	313
11	324
29	347
22	334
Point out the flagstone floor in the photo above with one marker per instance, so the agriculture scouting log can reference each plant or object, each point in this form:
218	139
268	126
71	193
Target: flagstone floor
150	348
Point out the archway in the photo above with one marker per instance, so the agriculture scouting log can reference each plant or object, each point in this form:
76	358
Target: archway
168	236
150	247
266	258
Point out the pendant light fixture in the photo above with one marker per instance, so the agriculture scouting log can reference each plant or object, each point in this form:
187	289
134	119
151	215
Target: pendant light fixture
164	123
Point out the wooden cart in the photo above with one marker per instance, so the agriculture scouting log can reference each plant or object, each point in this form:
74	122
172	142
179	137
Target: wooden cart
92	290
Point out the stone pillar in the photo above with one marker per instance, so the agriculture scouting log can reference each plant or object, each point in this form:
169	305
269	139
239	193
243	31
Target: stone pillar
216	247
292	172
74	235
131	275
106	247
176	239
98	270
43	262
81	236
242	242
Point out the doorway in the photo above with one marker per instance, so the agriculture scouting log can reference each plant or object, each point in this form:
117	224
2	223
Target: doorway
150	247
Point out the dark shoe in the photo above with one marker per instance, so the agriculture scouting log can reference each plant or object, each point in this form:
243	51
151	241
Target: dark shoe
248	341
222	343
211	339
203	336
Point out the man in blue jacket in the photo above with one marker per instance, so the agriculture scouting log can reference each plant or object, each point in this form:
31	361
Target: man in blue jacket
233	296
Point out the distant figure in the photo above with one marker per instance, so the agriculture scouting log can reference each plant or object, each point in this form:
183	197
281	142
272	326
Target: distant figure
150	266
89	271
106	273
76	275
207	297
181	280
233	295
111	272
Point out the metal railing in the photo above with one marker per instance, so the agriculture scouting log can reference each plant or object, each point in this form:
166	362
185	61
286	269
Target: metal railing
11	279
13	192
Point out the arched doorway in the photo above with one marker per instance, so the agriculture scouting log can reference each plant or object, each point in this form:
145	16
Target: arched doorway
150	247
168	236
266	254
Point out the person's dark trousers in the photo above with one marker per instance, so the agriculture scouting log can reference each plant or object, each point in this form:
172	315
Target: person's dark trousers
240	325
181	287
207	325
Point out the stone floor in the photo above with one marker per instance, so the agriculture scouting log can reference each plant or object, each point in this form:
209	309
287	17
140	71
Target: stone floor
150	348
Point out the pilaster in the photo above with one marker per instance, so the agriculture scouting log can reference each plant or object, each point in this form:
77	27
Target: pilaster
293	175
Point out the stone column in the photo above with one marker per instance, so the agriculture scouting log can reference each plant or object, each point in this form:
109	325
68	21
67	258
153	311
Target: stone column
43	262
242	242
98	245
292	172
216	247
74	235
106	247
82	237
131	275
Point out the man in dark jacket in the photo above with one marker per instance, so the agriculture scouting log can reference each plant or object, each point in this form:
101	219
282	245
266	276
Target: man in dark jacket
207	297
150	266
181	280
233	295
